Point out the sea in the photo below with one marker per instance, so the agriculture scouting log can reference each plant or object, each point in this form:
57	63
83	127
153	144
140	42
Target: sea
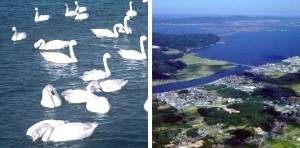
247	42
24	72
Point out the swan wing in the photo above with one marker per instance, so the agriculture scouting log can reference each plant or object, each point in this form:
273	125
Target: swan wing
131	13
18	36
53	124
82	16
98	105
56	57
75	96
94	75
73	131
112	85
82	9
131	54
146	105
102	32
56	44
44	17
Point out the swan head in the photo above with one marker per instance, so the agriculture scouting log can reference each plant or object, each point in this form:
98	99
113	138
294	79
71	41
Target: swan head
35	135
120	26
14	29
107	55
73	42
143	38
66	5
130	2
37	44
127	18
49	87
36	9
76	3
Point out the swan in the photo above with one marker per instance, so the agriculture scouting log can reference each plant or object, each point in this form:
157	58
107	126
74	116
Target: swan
130	12
53	124
126	29
81	16
54	44
146	105
98	105
40	18
106	32
49	100
69	13
112	85
80	9
64	132
57	57
18	36
78	95
98	74
145	1
132	54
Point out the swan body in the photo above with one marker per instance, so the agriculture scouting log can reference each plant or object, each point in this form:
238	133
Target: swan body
40	18
126	29
65	132
69	13
98	74
80	9
146	105
54	44
106	32
81	16
57	57
18	36
98	105
52	123
131	12
112	85
78	95
49	100
133	54
145	1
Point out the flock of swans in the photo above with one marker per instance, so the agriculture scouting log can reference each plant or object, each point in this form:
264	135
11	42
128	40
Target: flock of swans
60	130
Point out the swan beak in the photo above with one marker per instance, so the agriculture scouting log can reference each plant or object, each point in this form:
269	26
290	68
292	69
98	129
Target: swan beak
34	47
98	87
33	139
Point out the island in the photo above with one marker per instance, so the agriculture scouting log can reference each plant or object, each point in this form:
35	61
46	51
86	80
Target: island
259	107
174	61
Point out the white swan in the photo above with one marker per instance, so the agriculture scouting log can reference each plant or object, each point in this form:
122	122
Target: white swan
132	54
80	9
78	95
98	74
53	124
126	29
69	13
49	100
40	18
144	1
146	105
130	12
112	85
106	32
65	132
54	44
81	16
57	57
98	105
18	36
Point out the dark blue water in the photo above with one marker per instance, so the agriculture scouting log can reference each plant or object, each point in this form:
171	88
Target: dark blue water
250	48
24	72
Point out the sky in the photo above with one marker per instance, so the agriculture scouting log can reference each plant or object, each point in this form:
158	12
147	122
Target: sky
226	7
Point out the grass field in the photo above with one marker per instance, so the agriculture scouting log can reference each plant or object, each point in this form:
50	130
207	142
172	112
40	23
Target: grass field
277	143
196	68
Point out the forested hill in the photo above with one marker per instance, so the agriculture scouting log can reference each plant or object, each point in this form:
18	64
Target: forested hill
184	42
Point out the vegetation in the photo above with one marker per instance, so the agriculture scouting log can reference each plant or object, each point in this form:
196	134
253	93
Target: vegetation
192	132
184	42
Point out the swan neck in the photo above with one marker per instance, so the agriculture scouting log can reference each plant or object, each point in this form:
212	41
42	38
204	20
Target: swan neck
73	58
67	10
105	66
89	88
36	18
125	23
48	132
43	44
115	31
142	48
130	7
